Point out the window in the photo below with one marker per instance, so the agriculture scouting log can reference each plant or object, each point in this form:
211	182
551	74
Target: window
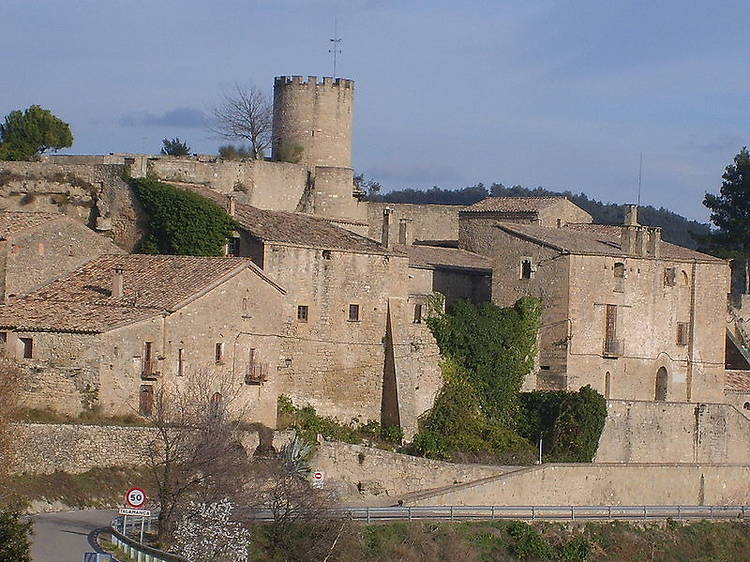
683	331
233	246
612	346
219	352
146	400
149	364
353	313
619	273
670	278
302	313
527	269
417	313
3	337
257	372
180	362
28	348
216	405
327	255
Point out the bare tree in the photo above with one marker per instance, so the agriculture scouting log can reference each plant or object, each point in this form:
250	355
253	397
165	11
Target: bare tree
245	112
196	454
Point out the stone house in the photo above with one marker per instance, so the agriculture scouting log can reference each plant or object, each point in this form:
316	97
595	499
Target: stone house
631	315
110	331
36	248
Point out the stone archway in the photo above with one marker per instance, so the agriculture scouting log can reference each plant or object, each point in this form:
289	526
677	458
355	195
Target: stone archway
662	378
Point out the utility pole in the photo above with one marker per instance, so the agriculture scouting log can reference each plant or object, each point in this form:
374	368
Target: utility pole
335	47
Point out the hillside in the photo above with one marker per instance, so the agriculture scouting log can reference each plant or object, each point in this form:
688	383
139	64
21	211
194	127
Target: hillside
676	228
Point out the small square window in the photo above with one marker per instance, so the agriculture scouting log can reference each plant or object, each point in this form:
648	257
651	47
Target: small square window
28	347
219	352
417	314
353	313
327	255
302	313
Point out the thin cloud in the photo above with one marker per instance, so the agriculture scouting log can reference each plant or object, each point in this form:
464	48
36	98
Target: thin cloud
183	117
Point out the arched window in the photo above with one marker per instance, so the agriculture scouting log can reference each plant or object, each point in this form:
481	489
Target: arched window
660	392
527	268
216	405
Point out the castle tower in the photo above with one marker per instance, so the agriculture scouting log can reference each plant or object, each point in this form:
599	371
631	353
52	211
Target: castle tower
312	121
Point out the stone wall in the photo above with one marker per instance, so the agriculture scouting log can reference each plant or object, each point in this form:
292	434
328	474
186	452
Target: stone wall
37	256
426	222
673	432
601	484
93	194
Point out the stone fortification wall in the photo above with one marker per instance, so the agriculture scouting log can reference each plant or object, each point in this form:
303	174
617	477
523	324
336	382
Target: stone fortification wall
674	432
333	194
91	193
377	476
602	484
315	116
425	222
268	185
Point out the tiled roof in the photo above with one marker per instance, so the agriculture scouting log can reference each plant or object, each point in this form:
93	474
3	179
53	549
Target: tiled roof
513	204
152	285
15	221
737	381
297	229
435	257
596	239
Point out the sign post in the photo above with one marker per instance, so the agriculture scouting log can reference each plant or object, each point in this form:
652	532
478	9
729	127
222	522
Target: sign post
135	498
318	479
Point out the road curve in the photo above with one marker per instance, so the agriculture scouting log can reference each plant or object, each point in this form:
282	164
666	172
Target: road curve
66	536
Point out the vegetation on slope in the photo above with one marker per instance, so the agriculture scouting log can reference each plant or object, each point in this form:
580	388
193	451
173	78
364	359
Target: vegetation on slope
181	222
511	541
676	228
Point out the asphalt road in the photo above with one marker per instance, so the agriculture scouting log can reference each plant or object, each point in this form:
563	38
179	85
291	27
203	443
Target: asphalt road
65	537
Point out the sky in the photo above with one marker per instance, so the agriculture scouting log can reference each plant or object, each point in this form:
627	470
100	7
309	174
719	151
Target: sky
558	94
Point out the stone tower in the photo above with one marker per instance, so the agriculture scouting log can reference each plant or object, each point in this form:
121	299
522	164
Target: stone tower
312	121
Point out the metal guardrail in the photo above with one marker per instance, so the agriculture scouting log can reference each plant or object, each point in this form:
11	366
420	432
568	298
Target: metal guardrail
530	513
121	526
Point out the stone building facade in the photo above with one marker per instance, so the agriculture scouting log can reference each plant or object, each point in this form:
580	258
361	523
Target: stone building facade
108	333
629	314
36	248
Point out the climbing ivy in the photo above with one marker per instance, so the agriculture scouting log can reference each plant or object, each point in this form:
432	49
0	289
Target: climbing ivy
457	429
181	222
495	349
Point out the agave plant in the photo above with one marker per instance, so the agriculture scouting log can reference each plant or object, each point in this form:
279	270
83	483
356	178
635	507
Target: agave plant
295	455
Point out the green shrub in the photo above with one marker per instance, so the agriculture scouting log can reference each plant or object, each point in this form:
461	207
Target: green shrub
527	543
15	536
570	423
578	549
181	222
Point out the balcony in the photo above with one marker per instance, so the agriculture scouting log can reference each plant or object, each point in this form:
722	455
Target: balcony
614	348
150	371
256	373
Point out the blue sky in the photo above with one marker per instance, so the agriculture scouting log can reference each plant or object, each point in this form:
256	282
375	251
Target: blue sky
559	94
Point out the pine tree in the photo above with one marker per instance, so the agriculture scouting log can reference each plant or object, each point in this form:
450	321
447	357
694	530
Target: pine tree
730	213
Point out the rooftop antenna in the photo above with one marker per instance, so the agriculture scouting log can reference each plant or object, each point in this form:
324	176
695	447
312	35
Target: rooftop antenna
335	47
640	175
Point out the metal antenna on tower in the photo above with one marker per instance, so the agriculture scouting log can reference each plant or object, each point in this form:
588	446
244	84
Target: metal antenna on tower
640	175
336	40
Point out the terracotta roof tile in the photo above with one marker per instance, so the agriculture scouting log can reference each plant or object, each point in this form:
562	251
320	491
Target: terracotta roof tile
513	204
596	239
435	257
152	285
292	228
15	221
737	381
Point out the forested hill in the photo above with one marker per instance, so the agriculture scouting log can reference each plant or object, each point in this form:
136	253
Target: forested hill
676	228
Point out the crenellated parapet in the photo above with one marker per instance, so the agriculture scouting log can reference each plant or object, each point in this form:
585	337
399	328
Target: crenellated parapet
313	81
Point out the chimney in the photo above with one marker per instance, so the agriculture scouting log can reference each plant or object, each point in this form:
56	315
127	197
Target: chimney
403	231
386	235
631	215
232	209
654	242
117	282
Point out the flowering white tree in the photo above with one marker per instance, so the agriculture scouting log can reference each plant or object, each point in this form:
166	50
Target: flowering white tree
206	532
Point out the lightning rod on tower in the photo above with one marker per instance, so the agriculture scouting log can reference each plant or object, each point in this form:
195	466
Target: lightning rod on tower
335	47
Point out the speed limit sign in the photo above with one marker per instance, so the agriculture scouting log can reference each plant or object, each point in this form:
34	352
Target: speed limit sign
136	498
